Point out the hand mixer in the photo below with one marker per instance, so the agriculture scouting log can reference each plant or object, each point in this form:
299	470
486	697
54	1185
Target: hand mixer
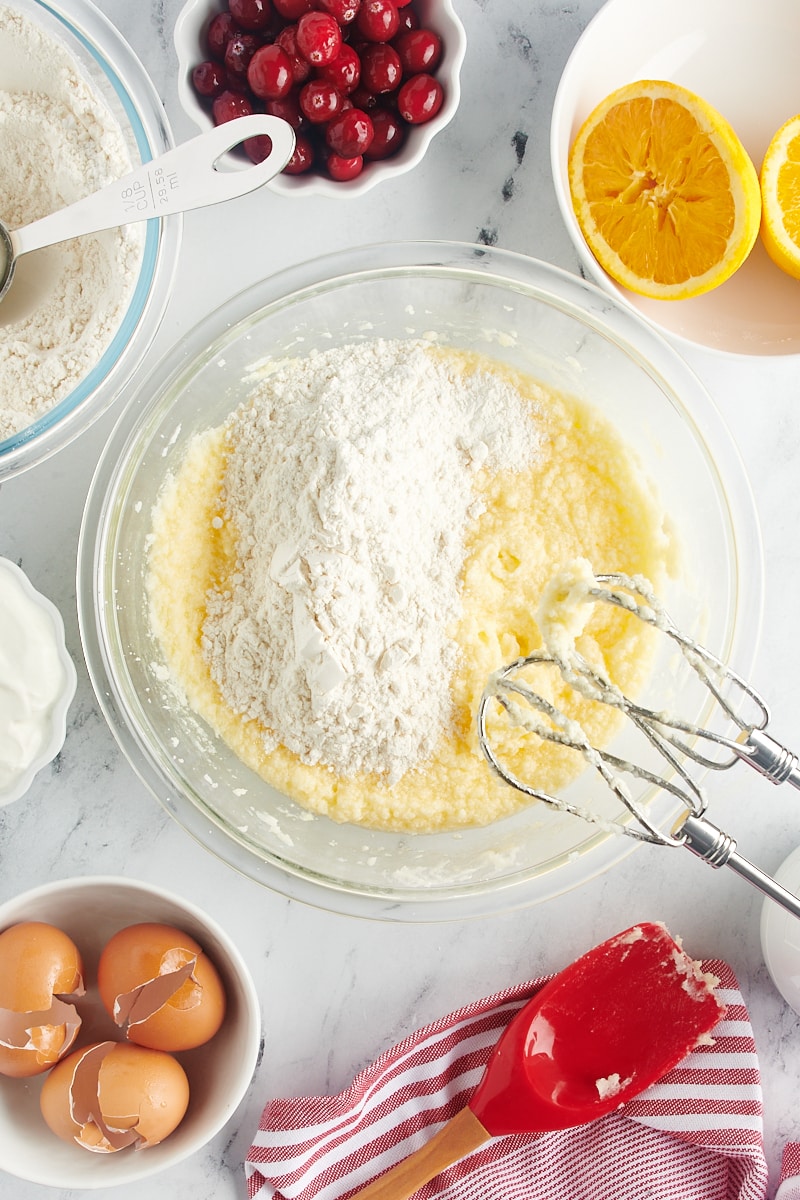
676	740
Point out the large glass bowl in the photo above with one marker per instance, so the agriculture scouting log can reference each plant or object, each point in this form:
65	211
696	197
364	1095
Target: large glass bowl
107	62
561	330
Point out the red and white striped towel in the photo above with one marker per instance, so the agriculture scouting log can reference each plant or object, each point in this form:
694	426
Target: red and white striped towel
695	1135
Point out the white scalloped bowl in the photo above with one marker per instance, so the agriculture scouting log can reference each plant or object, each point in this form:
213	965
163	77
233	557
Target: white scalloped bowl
439	15
54	729
90	909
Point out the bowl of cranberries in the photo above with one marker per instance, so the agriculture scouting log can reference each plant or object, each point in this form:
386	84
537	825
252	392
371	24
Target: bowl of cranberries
365	84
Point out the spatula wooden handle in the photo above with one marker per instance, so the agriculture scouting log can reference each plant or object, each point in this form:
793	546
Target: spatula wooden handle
462	1134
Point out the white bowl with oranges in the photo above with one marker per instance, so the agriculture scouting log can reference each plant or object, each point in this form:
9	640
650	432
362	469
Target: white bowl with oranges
152	1006
737	65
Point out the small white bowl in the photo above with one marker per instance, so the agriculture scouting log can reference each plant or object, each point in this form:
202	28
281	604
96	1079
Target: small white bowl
780	935
439	15
48	646
90	910
739	57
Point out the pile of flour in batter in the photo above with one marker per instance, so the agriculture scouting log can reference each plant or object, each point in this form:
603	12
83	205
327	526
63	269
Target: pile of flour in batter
350	483
58	142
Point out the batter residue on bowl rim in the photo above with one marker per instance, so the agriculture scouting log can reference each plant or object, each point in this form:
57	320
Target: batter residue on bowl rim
334	573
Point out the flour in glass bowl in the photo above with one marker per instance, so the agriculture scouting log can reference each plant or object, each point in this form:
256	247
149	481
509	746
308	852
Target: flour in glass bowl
350	485
58	142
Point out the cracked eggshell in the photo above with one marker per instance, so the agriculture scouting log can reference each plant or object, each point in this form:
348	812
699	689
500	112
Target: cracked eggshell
158	984
111	1095
40	966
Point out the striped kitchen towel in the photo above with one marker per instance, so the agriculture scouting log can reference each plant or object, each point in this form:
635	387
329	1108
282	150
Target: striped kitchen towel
695	1135
790	1173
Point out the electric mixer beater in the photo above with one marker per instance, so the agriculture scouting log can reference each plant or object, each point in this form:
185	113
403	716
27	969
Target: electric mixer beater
675	740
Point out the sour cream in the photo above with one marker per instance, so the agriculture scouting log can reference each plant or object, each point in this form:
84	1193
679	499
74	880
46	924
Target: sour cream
37	680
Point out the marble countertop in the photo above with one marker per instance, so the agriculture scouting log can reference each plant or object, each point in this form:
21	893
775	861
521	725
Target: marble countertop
335	990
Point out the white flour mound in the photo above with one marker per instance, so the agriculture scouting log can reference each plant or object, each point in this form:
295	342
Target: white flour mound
350	483
58	143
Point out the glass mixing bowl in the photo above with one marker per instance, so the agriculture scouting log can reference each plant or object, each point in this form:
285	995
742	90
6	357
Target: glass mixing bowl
557	328
107	62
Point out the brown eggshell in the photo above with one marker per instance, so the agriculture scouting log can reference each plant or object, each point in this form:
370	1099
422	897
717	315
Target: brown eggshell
157	983
111	1095
39	964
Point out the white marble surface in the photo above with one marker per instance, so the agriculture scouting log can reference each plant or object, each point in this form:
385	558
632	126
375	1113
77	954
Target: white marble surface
336	991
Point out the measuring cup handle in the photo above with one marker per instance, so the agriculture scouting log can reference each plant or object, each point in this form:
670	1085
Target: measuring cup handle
184	178
459	1137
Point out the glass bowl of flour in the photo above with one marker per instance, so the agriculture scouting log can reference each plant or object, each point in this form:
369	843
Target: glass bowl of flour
78	111
331	511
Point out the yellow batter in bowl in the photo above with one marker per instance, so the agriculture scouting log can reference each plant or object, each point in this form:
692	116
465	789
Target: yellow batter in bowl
582	496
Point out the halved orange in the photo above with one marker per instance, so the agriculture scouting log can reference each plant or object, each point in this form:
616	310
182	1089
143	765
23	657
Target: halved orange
780	198
664	191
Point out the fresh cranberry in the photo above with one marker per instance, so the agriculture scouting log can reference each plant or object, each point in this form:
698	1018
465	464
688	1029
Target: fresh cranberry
363	99
251	14
270	73
419	99
388	134
419	50
258	148
341	169
288	109
378	20
292	10
345	70
238	52
228	105
402	3
208	79
236	83
343	11
381	69
408	19
287	40
319	38
350	133
220	31
302	159
320	101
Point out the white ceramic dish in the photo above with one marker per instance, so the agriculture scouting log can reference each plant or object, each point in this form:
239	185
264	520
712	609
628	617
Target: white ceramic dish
90	910
566	333
780	936
105	60
52	722
439	15
738	56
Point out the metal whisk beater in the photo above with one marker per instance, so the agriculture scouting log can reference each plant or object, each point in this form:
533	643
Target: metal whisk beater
674	739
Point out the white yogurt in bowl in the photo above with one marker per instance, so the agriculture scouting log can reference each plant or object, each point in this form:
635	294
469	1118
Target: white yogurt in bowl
37	682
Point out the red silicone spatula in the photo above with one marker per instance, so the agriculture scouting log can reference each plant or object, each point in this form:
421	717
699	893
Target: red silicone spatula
599	1033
